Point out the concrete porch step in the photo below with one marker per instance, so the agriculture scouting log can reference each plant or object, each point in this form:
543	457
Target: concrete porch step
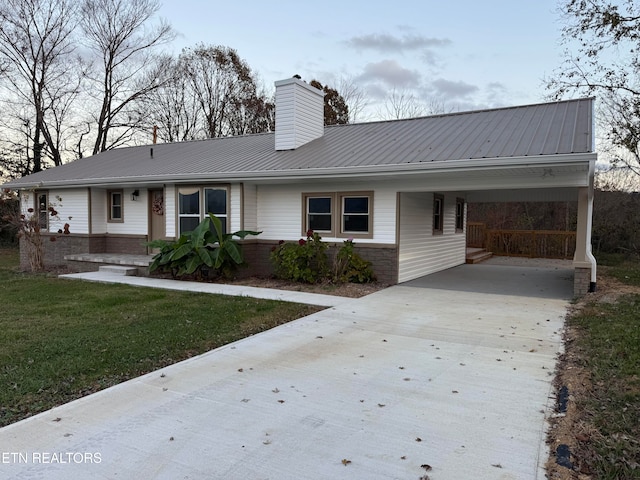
119	270
478	256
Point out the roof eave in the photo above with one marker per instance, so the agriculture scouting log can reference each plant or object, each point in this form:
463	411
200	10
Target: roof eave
310	173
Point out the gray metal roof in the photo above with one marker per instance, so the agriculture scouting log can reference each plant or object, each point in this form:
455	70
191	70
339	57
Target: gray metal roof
558	128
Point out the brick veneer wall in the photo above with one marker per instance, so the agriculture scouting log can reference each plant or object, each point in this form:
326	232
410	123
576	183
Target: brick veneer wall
581	281
56	246
384	259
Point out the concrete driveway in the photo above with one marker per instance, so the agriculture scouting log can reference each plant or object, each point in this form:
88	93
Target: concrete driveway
441	377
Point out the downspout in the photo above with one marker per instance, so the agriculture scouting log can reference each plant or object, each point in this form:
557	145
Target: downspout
590	257
583	257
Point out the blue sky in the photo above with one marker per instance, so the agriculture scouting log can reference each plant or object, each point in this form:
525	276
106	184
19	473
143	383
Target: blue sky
468	54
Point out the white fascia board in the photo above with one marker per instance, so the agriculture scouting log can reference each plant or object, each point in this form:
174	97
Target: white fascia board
448	166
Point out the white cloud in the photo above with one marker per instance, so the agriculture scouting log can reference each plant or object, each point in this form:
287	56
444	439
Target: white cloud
386	43
391	73
451	89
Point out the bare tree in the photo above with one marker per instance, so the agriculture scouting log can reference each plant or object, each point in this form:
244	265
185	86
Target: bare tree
355	98
118	33
224	87
401	104
336	111
254	114
36	46
173	109
602	41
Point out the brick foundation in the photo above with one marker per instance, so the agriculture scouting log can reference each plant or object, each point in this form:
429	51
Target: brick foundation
581	281
384	259
56	246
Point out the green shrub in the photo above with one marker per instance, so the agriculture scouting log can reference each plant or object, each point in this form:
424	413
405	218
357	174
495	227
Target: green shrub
201	249
348	266
305	261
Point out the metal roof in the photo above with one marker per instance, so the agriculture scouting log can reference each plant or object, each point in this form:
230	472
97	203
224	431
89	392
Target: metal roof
547	129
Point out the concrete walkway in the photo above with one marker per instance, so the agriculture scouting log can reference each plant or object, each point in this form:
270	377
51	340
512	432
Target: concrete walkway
373	388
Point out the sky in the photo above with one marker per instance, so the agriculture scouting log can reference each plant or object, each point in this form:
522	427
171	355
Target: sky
461	54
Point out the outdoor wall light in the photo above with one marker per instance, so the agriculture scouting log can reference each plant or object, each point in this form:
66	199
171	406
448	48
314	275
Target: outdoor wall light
135	195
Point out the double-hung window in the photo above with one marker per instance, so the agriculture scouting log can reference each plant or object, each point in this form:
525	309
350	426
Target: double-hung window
339	214
438	214
42	207
459	215
116	207
194	203
319	213
356	214
215	201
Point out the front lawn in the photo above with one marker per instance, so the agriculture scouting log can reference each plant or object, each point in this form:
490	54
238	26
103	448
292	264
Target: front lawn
62	339
601	369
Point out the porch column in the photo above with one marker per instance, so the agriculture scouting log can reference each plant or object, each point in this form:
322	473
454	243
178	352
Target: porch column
584	263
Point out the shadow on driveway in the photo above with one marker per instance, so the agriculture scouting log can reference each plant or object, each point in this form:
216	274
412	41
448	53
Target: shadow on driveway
528	281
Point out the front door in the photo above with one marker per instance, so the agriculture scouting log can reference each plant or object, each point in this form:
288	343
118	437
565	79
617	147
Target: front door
156	217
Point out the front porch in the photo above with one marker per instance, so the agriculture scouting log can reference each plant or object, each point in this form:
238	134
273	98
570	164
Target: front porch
123	263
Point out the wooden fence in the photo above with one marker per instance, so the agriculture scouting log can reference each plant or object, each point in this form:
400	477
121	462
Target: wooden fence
522	243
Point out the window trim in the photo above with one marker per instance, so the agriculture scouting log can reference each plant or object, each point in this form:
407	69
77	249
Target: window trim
438	214
110	205
40	212
460	207
305	212
201	203
337	213
369	214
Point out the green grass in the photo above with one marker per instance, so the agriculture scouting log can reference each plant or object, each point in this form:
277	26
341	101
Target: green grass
608	345
625	268
62	339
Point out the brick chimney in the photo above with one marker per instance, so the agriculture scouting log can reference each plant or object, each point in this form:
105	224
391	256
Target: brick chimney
299	113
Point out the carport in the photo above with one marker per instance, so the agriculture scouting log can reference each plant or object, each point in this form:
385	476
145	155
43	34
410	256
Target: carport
547	156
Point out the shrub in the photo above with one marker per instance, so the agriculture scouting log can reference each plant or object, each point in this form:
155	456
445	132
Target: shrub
304	261
196	251
348	266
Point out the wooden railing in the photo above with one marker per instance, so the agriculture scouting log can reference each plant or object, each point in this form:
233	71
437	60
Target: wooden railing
523	243
476	234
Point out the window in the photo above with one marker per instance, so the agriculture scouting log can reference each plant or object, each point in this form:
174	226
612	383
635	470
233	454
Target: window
459	215
188	209
42	207
319	213
338	214
438	209
194	203
215	201
115	206
355	214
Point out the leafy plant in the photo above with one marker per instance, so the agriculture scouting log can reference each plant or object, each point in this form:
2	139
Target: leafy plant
203	247
27	226
348	266
305	261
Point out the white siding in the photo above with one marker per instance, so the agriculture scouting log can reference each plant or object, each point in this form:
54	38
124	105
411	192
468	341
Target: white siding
98	210
135	214
72	207
280	210
299	114
420	251
235	210
250	207
170	200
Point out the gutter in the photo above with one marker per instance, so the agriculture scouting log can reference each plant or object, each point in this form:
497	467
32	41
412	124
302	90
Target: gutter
446	166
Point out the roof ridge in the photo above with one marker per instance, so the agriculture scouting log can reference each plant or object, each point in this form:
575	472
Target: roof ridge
465	112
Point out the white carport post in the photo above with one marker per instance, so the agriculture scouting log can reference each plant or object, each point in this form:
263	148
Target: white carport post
584	263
